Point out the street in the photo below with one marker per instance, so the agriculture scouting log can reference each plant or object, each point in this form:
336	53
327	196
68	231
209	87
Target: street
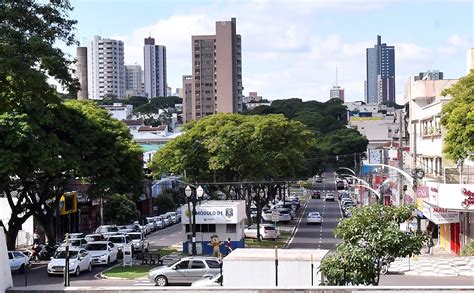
319	236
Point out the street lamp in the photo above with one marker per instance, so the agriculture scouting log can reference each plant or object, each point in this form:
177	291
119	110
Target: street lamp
193	198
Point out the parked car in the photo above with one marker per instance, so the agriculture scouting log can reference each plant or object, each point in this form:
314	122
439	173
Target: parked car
75	242
18	261
150	222
172	217
139	242
329	197
313	218
145	229
94	237
109	234
316	194
185	271
120	241
75	236
166	220
106	229
318	178
285	216
266	232
79	260
208	281
102	252
159	222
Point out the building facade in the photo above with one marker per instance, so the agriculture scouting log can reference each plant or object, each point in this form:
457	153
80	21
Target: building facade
336	92
380	83
217	71
134	80
430	75
154	69
187	96
105	69
81	72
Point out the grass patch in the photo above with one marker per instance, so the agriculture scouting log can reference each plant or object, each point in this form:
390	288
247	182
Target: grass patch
127	272
268	243
164	251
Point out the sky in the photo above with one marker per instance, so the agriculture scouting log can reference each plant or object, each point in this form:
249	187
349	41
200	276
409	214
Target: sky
291	48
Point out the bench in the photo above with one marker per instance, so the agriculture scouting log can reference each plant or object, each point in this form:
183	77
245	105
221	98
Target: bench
150	259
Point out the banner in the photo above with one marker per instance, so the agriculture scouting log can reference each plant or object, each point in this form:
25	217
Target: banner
439	215
211	215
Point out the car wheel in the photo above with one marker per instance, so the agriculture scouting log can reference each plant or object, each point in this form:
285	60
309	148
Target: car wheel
161	281
78	271
90	267
21	270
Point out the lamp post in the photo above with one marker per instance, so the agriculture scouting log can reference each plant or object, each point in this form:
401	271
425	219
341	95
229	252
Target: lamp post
194	197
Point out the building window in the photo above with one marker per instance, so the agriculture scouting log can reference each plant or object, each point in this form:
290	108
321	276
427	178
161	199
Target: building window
231	228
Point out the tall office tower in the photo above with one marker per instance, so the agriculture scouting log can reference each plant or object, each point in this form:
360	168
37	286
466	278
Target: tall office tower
105	69
133	80
187	96
155	69
336	92
380	86
430	75
217	71
81	72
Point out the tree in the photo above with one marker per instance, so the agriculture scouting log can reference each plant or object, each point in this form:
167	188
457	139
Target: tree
458	119
231	147
120	209
371	233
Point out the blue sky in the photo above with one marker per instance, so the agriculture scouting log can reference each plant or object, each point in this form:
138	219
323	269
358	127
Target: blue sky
291	48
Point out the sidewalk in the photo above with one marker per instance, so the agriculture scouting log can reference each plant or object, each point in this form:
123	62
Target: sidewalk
439	264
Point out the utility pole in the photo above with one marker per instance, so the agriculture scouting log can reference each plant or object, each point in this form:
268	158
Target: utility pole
400	156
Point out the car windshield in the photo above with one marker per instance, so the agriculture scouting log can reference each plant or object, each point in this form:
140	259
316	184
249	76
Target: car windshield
315	214
135	236
96	246
117	239
269	228
62	254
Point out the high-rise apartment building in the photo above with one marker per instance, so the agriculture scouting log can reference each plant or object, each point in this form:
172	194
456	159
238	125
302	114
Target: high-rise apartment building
380	83
154	69
133	80
217	72
81	72
105	69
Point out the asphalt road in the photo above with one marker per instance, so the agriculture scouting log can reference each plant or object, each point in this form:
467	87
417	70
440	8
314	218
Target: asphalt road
316	236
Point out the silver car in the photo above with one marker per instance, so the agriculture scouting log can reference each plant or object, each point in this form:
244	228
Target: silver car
185	271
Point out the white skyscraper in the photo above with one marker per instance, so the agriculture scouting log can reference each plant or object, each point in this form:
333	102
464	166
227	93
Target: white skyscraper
133	80
106	70
154	69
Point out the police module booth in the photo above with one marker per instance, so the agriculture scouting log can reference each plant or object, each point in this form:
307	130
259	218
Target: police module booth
216	221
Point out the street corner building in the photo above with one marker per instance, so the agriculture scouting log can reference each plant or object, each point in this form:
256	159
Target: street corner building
224	219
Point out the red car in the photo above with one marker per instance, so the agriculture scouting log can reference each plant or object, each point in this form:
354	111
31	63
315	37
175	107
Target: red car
316	194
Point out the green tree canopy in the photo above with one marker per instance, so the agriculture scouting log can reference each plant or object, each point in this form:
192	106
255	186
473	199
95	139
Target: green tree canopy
458	119
371	233
155	104
230	147
119	209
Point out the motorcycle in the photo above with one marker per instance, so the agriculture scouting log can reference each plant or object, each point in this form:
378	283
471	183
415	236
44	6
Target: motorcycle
385	263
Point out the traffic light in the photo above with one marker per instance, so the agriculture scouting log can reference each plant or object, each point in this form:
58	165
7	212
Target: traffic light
68	203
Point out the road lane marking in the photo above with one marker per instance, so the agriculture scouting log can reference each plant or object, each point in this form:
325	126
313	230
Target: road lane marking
298	224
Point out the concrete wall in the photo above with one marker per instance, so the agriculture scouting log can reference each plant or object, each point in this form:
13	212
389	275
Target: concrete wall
25	236
5	273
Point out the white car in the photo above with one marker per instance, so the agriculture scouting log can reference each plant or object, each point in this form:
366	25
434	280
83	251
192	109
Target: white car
139	242
313	218
18	261
208	281
266	232
75	242
150	222
329	196
172	217
166	220
79	260
106	229
76	235
120	241
102	252
159	223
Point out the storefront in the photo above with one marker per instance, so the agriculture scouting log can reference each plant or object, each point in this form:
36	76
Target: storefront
221	218
451	208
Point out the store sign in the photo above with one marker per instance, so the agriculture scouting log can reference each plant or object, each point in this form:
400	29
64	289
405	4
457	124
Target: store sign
212	215
451	196
422	192
440	215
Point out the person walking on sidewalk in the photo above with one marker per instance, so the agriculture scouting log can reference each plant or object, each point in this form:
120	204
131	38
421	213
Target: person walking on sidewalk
430	246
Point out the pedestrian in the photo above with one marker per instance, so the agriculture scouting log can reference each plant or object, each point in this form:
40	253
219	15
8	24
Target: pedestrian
430	245
228	246
36	237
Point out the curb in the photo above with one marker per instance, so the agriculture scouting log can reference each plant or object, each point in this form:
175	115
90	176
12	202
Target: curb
101	276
